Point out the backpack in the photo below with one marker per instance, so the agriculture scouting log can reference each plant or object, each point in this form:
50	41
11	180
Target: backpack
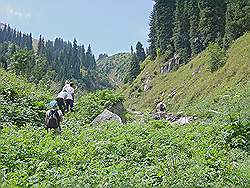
53	121
162	107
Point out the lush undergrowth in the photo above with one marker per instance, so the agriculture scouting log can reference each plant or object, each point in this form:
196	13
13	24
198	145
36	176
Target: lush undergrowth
21	102
106	155
92	104
155	154
193	89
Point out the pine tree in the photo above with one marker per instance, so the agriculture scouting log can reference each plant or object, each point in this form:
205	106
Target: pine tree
82	56
140	52
212	21
29	42
164	24
90	59
40	49
194	18
134	69
152	34
131	49
75	60
237	20
181	31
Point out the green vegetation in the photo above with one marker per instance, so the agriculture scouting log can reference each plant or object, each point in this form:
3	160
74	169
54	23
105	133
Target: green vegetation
126	156
135	154
92	104
186	27
50	61
116	67
21	103
193	89
212	151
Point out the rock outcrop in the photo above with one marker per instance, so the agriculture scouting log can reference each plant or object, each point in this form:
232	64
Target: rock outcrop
106	116
197	70
170	64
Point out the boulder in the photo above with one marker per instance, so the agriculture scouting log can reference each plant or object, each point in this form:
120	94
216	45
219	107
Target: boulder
119	110
106	116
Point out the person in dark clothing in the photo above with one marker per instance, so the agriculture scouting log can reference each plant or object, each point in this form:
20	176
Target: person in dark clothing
61	97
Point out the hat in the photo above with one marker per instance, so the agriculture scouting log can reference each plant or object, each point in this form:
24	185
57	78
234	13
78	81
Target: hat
53	104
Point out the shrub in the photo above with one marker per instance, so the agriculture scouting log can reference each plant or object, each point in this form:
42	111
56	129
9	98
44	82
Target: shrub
217	57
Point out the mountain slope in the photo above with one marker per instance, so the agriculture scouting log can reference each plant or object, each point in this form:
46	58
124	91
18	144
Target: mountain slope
115	67
192	88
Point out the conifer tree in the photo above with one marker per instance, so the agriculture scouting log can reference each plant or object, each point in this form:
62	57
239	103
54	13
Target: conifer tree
76	60
40	49
195	43
134	69
90	59
164	24
237	20
29	42
131	49
140	52
181	31
212	21
82	56
152	34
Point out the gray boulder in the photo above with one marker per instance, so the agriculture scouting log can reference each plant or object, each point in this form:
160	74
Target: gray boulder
106	116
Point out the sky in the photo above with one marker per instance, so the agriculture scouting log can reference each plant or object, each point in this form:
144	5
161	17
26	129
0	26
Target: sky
109	26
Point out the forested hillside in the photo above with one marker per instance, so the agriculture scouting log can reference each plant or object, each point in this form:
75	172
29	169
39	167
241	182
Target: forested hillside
49	60
186	27
194	88
123	68
116	67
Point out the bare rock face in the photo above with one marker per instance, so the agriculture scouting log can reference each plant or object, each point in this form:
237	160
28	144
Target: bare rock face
146	82
197	69
170	64
106	116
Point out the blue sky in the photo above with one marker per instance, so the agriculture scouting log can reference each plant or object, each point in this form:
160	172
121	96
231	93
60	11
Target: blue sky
110	26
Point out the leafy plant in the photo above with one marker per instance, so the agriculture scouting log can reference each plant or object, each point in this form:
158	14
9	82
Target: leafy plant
217	57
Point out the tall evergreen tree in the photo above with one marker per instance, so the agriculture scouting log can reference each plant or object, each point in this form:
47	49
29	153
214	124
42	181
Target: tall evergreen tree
152	34
134	69
90	59
181	31
29	42
131	49
140	52
194	18
40	49
75	60
237	20
82	56
212	21
164	24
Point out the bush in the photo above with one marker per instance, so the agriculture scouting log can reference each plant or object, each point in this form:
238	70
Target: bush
92	104
21	102
217	57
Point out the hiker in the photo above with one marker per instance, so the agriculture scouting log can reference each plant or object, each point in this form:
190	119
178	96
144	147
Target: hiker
161	110
53	117
61	100
70	97
67	84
